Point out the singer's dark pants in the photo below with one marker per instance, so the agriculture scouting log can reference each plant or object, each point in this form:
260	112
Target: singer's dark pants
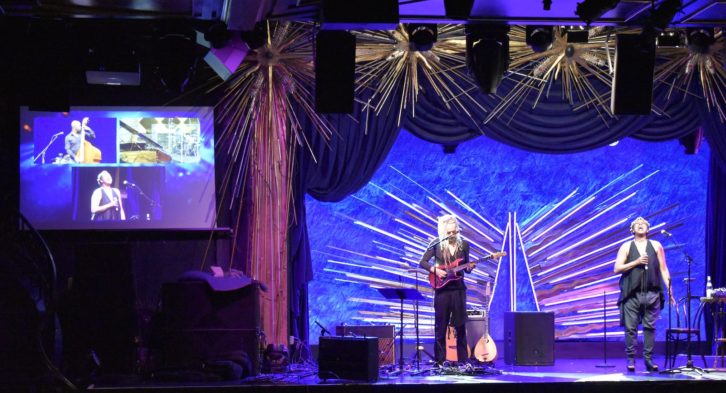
450	308
645	307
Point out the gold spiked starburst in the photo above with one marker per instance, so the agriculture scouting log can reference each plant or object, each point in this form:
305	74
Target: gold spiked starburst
390	68
579	67
684	66
260	135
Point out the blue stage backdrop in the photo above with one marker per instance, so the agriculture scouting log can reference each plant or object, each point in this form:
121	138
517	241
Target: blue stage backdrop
560	218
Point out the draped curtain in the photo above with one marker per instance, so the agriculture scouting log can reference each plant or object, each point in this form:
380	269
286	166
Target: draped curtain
363	141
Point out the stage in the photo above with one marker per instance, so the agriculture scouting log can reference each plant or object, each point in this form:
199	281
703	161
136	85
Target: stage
566	375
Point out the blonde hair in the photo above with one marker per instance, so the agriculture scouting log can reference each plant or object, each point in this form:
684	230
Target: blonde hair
632	224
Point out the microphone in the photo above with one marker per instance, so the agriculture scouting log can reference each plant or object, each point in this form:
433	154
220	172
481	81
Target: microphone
665	233
126	183
116	201
58	133
323	330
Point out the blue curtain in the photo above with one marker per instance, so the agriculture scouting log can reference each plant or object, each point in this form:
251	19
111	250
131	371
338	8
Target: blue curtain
349	160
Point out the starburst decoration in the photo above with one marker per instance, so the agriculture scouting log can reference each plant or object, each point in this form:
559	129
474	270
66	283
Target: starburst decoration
260	135
684	66
584	70
391	69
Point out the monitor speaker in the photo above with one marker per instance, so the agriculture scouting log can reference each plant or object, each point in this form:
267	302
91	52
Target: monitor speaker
632	92
353	358
334	71
384	334
529	338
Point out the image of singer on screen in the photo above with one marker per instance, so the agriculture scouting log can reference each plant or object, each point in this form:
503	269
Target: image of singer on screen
106	202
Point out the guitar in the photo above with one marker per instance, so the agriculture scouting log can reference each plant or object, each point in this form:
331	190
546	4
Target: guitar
485	349
438	283
451	354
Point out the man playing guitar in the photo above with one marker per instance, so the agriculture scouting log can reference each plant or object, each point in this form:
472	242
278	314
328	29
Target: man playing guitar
449	299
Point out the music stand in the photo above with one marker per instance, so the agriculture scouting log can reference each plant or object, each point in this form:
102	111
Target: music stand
401	294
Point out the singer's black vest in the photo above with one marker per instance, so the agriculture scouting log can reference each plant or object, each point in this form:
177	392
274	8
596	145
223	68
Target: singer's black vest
109	214
631	282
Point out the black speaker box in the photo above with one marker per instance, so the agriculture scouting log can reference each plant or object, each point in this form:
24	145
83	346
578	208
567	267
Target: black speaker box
357	14
384	334
529	338
194	305
632	92
334	71
99	313
353	358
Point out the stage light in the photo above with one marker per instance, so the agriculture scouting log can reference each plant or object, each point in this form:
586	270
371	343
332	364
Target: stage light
546	5
672	39
217	35
224	59
590	10
700	39
539	38
487	54
421	36
458	9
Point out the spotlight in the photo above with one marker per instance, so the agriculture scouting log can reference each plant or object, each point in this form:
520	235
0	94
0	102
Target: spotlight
700	39
421	36
590	10
673	39
458	9
546	4
487	54
217	35
227	55
539	38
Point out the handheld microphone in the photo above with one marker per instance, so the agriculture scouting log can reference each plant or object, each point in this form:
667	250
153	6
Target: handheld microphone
126	183
665	233
116	201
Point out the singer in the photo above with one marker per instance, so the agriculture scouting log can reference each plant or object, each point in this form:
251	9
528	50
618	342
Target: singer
106	202
450	300
642	265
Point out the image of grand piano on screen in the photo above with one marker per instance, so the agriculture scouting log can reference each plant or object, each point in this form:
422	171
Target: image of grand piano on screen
158	140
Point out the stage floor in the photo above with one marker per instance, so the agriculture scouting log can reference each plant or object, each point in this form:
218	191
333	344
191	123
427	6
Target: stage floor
566	375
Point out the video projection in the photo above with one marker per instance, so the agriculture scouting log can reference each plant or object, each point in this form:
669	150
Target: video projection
560	218
118	168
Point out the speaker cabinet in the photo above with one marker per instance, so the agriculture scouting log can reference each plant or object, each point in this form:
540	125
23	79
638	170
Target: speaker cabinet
334	71
200	324
529	338
384	333
353	358
632	92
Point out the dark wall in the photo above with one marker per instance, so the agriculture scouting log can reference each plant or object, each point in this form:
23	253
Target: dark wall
109	282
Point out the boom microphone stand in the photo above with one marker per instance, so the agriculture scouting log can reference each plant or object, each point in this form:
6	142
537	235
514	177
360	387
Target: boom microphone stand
605	363
689	367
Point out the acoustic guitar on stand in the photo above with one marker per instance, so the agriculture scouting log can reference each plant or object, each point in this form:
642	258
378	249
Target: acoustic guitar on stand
455	267
485	349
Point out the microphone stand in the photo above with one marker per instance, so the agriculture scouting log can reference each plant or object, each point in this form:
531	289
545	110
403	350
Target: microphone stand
689	351
45	149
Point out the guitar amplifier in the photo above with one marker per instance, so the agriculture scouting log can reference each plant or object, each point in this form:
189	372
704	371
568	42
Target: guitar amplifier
384	333
352	358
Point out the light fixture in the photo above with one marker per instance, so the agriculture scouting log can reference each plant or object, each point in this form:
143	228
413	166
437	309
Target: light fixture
671	39
577	35
458	9
539	38
487	54
421	36
590	10
700	39
546	5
